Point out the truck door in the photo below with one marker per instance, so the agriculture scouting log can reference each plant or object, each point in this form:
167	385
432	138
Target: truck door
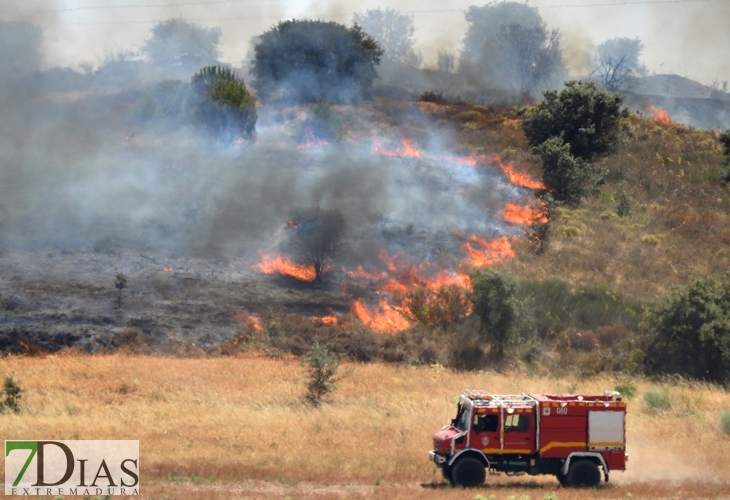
518	430
485	430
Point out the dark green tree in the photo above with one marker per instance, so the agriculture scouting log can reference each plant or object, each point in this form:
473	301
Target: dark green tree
310	61
495	304
317	235
585	117
507	47
222	105
691	331
564	175
725	141
178	44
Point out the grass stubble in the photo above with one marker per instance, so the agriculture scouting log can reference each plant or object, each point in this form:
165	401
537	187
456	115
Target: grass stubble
239	427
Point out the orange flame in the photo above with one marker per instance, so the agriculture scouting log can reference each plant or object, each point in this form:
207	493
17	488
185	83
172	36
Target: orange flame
384	318
23	345
483	252
328	320
167	270
278	264
517	178
517	214
660	115
310	140
249	320
407	149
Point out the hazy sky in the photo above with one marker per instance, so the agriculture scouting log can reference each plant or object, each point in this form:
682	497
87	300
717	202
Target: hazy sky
687	37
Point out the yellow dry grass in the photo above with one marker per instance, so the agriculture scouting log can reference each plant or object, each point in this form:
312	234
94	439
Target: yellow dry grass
238	427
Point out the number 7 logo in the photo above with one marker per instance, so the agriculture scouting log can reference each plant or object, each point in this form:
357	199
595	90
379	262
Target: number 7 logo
22	445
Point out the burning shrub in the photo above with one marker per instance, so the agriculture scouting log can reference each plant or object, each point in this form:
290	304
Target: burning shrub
309	61
433	97
442	307
222	105
322	124
317	234
585	117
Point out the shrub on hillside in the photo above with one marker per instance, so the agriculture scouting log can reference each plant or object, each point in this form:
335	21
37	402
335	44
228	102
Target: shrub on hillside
564	175
308	61
13	395
494	302
657	400
626	389
322	373
322	124
585	117
725	140
724	422
221	104
691	331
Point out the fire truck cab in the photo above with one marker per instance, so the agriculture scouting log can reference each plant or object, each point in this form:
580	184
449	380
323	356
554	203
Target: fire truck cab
574	437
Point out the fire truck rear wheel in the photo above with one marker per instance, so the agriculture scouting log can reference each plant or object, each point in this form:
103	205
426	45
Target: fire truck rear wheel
468	472
583	474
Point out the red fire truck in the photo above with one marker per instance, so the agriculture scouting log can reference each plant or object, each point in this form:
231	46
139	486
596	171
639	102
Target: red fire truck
573	437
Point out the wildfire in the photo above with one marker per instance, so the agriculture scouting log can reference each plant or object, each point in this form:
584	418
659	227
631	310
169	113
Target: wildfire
660	115
517	214
517	178
167	270
309	140
23	345
249	320
407	149
328	320
384	318
278	264
483	252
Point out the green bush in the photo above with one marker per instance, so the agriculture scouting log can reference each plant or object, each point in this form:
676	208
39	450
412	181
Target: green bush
585	117
494	302
322	377
657	400
626	389
724	421
13	395
322	123
691	331
221	104
564	175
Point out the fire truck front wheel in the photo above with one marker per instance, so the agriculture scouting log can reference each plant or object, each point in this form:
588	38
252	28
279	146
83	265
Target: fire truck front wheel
468	472
583	474
446	471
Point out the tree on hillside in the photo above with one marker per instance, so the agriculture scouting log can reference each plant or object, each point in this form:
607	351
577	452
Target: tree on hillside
585	117
691	331
180	45
317	235
507	47
495	304
616	61
392	30
310	61
221	104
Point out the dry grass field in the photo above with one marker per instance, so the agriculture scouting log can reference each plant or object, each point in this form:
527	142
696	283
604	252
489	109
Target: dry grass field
237	427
